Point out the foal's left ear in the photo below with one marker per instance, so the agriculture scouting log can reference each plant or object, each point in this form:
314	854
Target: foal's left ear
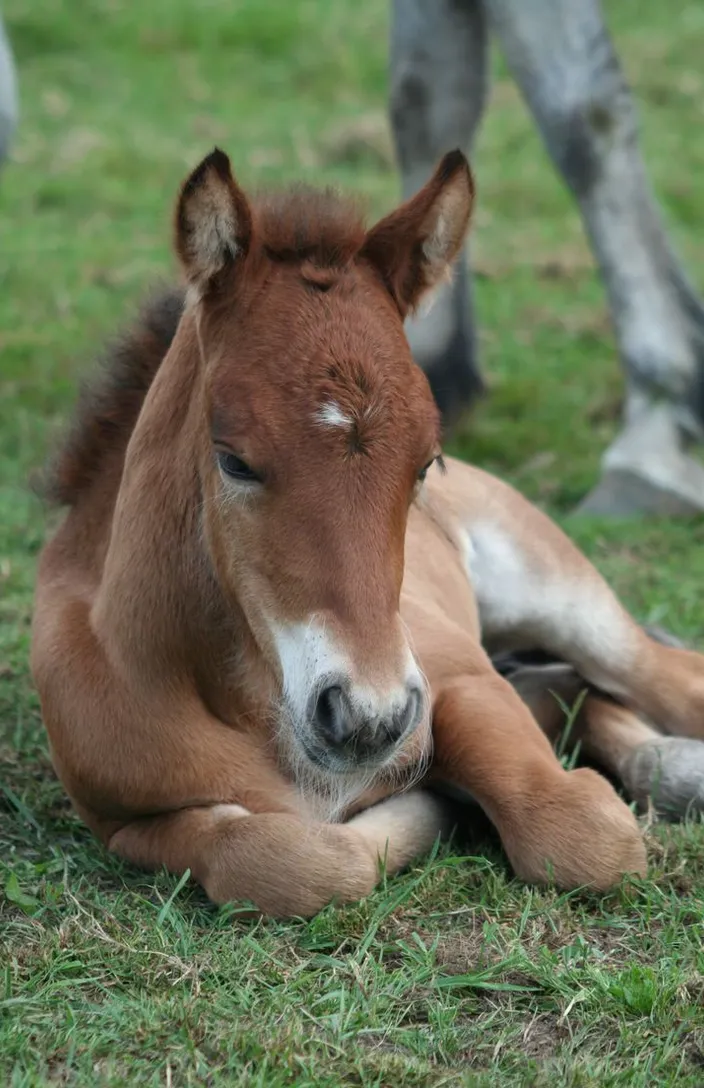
213	226
414	247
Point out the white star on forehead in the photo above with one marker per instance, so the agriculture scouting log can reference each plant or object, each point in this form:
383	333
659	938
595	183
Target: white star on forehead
331	415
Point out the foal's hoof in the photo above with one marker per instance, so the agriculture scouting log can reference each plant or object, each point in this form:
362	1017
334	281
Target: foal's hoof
581	834
668	772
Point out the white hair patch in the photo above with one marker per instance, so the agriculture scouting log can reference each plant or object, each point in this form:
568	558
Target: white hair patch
331	415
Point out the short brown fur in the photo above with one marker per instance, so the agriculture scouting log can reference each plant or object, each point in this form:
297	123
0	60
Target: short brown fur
232	620
317	229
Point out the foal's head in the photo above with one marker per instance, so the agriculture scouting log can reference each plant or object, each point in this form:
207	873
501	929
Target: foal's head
318	431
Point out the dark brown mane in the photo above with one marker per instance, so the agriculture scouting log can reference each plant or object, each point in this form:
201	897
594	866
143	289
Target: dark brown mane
300	224
111	399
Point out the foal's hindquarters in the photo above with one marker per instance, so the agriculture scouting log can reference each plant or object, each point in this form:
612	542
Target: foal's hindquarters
480	558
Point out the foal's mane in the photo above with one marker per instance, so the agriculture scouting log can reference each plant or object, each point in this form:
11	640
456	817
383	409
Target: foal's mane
296	225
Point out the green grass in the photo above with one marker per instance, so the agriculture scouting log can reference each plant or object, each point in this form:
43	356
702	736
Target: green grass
454	973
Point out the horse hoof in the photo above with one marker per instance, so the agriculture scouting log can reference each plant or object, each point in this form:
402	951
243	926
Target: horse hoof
668	772
624	493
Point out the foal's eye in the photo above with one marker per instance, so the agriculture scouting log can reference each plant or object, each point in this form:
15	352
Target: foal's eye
424	471
237	469
437	460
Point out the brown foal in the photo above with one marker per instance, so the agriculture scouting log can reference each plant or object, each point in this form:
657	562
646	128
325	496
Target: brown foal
257	605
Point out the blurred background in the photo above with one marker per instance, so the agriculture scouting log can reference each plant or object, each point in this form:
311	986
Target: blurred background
119	100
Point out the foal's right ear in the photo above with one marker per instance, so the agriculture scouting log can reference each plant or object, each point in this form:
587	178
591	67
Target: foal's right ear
213	225
413	248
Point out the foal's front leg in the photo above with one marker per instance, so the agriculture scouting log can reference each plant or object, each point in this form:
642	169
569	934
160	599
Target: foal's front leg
285	865
566	826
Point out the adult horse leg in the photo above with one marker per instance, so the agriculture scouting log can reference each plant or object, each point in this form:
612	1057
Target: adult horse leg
564	61
283	864
439	83
8	94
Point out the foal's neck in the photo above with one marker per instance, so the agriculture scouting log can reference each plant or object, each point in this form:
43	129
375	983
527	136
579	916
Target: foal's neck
159	610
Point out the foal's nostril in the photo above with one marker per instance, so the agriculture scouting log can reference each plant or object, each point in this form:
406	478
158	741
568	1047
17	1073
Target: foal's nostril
405	718
333	715
340	724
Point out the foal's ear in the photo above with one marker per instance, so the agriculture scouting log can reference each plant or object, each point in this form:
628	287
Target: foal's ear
414	247
213	224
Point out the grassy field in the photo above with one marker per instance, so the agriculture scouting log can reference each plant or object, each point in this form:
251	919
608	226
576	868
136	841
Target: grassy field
453	974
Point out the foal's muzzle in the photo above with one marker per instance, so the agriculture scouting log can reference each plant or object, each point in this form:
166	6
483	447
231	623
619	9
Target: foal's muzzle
360	732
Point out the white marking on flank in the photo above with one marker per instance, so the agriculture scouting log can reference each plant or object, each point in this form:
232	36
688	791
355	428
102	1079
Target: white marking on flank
234	812
524	603
331	415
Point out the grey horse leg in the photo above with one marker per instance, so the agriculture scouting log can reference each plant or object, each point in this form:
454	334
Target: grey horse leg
8	95
563	59
439	84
